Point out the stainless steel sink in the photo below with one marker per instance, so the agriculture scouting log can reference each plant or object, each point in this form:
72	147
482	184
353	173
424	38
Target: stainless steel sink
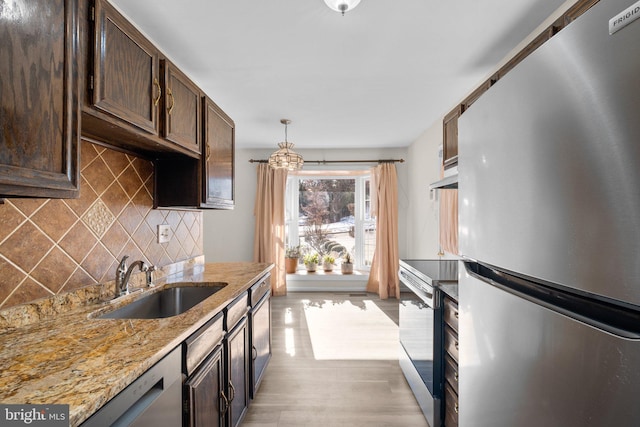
165	303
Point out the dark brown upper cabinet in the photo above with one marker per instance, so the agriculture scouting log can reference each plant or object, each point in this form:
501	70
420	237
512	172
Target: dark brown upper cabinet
39	126
129	101
208	182
218	157
450	138
182	113
126	80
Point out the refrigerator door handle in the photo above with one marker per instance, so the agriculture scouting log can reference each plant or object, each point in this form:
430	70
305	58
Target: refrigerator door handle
607	315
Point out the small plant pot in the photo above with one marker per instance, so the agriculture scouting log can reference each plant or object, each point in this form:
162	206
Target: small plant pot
291	265
311	267
346	268
327	266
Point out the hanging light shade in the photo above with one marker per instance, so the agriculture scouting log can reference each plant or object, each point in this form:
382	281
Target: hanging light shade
285	157
342	5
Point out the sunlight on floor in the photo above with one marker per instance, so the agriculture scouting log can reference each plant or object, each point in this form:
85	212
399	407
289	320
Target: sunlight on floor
337	331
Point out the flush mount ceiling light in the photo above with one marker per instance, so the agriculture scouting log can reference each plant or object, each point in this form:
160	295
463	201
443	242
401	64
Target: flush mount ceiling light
285	157
342	5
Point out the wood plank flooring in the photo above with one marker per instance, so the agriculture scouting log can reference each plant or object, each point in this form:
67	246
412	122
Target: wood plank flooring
334	364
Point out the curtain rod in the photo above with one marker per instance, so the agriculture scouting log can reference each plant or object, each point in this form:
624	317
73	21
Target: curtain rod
324	162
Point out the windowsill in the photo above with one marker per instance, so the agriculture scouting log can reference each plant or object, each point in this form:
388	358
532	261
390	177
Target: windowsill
320	274
327	281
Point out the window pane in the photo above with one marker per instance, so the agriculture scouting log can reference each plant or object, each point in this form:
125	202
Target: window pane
331	215
369	226
326	221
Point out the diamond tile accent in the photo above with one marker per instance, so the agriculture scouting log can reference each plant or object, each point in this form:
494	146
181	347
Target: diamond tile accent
112	217
98	218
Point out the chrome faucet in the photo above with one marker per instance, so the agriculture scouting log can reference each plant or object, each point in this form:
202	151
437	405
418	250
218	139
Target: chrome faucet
124	273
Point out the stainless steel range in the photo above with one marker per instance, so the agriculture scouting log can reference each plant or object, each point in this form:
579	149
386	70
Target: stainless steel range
421	333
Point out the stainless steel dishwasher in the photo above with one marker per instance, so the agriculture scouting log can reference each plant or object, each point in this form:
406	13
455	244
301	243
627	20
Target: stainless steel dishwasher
154	399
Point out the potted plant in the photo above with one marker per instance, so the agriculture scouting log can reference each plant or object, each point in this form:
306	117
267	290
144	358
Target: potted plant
291	259
311	261
347	264
327	262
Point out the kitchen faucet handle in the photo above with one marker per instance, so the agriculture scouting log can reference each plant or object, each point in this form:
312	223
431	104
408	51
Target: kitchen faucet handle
122	267
148	272
120	274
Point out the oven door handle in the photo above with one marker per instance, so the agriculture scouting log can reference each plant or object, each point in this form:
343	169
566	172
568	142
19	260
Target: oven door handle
413	284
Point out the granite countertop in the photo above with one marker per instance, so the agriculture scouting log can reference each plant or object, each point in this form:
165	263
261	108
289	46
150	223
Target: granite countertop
450	289
82	361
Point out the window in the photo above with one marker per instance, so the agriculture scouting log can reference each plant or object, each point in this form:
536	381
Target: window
330	213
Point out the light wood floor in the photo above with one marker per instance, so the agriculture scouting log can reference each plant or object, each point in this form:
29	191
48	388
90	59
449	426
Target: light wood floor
334	364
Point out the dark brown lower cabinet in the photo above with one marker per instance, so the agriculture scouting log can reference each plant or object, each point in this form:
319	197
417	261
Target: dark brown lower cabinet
237	381
260	323
451	407
451	353
207	402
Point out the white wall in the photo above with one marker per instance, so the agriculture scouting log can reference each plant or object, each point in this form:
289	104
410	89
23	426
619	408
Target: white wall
228	235
422	210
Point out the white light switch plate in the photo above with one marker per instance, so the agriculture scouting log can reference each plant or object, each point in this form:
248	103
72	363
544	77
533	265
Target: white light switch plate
164	233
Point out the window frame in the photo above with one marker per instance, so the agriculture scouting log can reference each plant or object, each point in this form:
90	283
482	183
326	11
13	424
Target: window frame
362	215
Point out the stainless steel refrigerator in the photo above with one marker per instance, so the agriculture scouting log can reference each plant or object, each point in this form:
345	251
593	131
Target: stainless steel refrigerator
549	200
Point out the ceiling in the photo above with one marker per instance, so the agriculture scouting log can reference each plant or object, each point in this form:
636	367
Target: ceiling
377	77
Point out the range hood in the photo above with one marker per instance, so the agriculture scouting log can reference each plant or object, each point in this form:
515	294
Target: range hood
446	183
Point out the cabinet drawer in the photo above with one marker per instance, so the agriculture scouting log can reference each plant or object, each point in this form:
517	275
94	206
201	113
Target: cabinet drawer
235	310
451	372
260	289
451	343
451	313
451	407
202	342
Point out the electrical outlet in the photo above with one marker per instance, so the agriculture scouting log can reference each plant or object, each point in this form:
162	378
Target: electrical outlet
164	233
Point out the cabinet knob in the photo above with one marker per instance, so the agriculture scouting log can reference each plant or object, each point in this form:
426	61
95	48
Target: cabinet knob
455	408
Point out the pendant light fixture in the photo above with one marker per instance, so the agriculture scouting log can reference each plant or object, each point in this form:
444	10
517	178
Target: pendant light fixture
342	5
285	157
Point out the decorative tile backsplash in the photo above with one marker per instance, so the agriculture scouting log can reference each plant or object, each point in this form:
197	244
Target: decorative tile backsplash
52	246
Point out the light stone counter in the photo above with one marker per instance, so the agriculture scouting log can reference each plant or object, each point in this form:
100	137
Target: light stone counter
82	361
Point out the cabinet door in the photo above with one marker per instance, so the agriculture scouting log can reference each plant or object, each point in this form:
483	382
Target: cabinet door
206	400
181	109
237	373
126	79
39	126
218	157
450	138
260	326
